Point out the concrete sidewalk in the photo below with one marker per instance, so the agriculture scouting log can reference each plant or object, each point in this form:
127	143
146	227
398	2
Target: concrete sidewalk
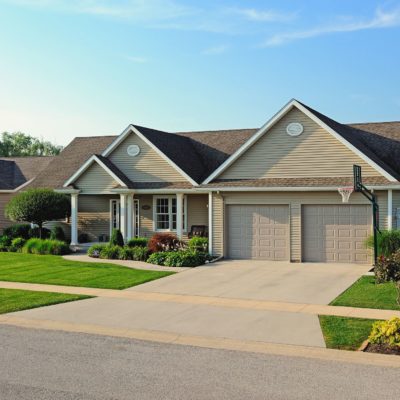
222	302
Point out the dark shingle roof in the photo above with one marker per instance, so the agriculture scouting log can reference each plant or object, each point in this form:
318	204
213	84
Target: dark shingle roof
383	151
15	171
297	182
71	159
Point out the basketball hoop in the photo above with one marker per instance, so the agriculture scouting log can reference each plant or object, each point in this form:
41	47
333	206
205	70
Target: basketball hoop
345	193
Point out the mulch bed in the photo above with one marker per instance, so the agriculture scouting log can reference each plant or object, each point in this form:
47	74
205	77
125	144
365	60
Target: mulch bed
382	349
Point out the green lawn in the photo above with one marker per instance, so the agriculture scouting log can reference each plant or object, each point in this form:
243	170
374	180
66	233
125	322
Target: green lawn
16	300
366	294
54	270
345	333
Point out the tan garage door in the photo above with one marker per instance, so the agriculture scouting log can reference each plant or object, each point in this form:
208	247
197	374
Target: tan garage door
258	231
336	233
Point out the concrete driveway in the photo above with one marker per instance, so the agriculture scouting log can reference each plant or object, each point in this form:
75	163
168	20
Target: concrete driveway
300	283
313	283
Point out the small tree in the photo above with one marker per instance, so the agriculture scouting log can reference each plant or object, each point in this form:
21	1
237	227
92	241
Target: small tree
38	206
116	238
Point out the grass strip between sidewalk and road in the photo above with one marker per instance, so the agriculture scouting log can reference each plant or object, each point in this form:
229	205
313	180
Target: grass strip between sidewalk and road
365	293
345	333
54	270
12	300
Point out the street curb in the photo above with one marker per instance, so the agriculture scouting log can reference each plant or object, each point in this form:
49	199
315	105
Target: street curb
210	342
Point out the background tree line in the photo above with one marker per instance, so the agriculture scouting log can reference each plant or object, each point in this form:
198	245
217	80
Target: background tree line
18	144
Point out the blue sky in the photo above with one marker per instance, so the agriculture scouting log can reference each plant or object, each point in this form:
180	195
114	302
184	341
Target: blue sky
90	67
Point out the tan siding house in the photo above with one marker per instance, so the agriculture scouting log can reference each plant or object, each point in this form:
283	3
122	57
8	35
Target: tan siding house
268	193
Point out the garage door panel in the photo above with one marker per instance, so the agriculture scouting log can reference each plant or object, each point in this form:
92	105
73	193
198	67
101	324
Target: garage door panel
258	231
336	233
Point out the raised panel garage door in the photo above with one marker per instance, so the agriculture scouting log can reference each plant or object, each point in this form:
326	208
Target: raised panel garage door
336	233
258	231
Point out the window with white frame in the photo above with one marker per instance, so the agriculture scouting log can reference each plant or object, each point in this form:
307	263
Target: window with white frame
164	214
115	214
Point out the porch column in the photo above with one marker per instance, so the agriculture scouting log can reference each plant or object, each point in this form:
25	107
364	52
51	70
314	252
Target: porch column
129	214
210	222
74	219
179	215
390	210
123	215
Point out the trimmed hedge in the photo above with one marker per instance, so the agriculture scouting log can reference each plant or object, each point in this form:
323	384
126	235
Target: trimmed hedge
182	258
110	252
57	233
138	242
198	243
17	244
116	238
18	230
45	246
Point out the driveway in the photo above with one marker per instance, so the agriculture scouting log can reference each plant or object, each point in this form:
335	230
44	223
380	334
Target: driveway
313	283
300	283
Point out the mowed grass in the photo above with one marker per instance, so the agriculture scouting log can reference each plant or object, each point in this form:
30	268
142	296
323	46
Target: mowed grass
17	300
54	270
345	333
366	293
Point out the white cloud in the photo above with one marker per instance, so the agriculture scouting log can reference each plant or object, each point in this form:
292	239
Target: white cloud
253	14
380	20
211	51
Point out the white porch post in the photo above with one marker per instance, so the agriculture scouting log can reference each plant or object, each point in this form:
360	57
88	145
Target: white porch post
390	210
129	215
179	215
74	219
123	215
210	222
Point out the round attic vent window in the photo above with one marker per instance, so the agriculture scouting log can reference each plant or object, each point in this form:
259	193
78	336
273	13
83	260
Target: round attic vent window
294	129
133	150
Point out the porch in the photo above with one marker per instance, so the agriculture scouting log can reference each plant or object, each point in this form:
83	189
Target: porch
94	216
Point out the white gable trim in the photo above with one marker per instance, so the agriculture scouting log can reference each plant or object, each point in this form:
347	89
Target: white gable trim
86	165
265	128
132	129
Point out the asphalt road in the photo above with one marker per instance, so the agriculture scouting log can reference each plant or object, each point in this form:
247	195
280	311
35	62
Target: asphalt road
50	365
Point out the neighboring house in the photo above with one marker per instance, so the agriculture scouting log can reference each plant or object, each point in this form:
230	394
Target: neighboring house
268	193
16	173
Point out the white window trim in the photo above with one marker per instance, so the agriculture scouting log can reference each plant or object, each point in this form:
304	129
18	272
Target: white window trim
184	229
136	201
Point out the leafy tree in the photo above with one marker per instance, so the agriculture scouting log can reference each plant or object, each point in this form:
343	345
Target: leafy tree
38	206
19	144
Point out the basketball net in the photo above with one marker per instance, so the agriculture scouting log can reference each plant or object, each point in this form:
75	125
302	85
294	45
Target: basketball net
345	193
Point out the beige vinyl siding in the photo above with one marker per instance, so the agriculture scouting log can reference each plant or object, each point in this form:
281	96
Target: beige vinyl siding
147	166
315	153
95	180
218	212
94	215
197	210
383	208
295	200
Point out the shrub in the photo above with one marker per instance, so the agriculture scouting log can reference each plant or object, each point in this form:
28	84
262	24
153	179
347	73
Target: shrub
83	238
185	258
3	249
17	244
38	206
95	250
110	252
181	258
138	242
18	230
57	233
388	268
164	242
45	246
198	243
35	233
140	253
116	238
386	332
157	258
388	242
5	241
